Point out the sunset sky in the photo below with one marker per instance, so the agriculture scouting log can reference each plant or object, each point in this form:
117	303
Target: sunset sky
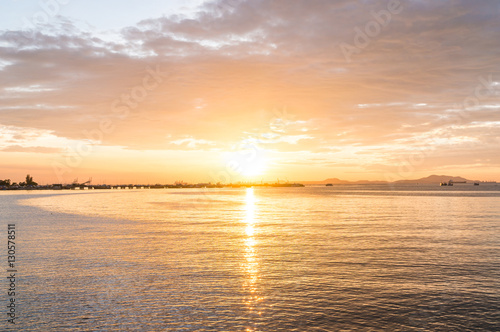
209	91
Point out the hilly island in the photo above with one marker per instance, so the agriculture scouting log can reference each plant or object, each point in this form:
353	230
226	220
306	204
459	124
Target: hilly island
432	179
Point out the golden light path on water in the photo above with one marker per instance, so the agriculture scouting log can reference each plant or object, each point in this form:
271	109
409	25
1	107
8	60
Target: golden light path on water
250	261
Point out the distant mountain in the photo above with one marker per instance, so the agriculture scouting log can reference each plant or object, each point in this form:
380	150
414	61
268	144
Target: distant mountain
332	180
437	179
429	179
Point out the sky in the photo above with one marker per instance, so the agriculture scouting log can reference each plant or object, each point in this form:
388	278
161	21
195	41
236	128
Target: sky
234	90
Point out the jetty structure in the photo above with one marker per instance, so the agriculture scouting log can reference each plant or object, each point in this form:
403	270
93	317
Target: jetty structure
89	186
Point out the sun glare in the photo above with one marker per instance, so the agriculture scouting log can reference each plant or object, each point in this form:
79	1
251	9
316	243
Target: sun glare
248	163
255	168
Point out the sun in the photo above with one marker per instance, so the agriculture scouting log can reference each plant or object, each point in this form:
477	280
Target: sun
247	163
254	168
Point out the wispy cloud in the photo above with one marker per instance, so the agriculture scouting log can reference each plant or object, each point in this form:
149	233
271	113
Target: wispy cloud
34	149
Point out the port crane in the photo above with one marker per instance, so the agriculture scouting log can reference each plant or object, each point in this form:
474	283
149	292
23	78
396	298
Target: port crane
76	184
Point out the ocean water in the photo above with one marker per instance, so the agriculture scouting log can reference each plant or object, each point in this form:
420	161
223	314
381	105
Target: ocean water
341	258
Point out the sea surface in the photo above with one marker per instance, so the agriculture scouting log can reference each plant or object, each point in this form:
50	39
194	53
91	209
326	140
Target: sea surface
341	258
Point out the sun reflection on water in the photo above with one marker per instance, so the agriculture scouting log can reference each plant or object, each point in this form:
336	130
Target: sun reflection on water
251	259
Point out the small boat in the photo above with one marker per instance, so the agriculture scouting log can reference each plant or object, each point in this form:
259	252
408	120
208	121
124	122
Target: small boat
476	183
329	185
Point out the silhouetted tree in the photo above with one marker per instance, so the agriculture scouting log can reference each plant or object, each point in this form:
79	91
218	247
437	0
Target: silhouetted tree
5	182
29	181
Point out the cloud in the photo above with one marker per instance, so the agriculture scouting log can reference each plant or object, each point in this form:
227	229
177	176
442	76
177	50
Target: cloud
34	149
227	69
191	142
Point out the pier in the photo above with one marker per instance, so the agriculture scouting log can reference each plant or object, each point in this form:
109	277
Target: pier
59	186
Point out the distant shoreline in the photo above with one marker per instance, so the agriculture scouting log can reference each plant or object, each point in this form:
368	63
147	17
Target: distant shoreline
148	186
432	179
231	185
